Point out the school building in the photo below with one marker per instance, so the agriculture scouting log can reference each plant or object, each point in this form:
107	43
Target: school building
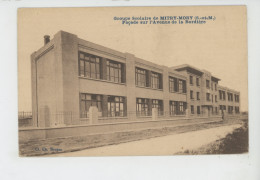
77	82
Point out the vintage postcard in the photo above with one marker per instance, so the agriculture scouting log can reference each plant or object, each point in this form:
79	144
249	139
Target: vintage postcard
130	81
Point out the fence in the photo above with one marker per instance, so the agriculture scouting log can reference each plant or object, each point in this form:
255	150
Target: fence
24	115
63	118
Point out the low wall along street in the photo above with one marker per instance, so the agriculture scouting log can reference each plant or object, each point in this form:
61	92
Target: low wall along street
81	130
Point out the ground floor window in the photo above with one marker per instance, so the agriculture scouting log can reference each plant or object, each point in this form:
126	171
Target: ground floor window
142	107
222	107
115	106
192	109
177	107
230	109
87	100
198	109
159	105
237	110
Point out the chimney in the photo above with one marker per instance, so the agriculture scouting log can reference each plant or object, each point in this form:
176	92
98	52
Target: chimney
46	39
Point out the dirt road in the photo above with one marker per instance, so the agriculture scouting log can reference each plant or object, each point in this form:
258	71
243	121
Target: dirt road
166	145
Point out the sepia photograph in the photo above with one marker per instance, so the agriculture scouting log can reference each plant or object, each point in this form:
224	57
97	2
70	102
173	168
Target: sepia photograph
132	81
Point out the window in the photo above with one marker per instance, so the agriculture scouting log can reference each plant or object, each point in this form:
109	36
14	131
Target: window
236	98
115	106
182	108
216	109
222	107
198	95
215	87
155	80
216	98
87	100
159	105
142	107
230	109
177	107
173	107
173	84
114	71
224	95
208	96
197	81
211	85
237	110
198	109
212	98
207	84
140	77
220	95
230	96
192	109
182	86
191	95
89	66
191	80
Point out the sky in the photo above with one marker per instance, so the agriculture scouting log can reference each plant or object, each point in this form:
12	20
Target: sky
218	46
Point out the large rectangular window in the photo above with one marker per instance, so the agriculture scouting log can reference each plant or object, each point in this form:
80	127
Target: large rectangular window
177	85
173	84
89	65
182	86
87	100
140	77
159	105
177	107
142	107
173	108
155	80
114	71
115	106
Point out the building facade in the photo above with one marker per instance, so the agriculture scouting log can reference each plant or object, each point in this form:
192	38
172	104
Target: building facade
70	75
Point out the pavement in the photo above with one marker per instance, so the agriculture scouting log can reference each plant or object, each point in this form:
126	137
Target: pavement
166	145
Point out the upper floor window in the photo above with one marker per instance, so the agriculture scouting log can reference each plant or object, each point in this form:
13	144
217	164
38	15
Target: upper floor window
181	86
198	81
220	94
236	98
208	96
155	80
211	85
216	98
198	95
89	65
114	71
173	84
207	84
215	87
191	80
140	77
191	95
224	95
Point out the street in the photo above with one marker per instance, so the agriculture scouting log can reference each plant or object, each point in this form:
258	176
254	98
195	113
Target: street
166	145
